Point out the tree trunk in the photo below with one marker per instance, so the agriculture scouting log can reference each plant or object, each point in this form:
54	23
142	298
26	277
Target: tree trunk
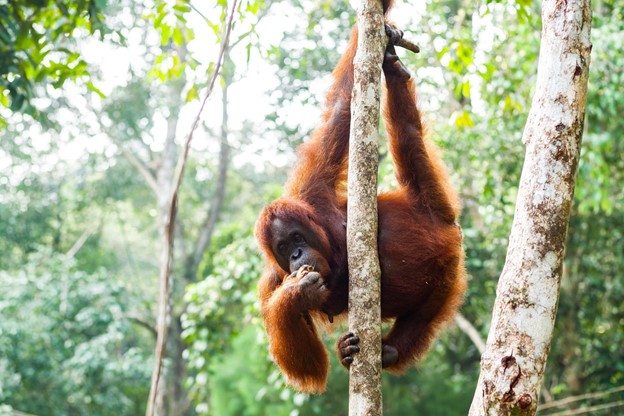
571	363
161	382
216	202
512	366
204	238
364	272
154	405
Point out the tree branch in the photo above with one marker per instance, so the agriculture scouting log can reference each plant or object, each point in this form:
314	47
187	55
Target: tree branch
572	399
13	412
467	328
82	239
406	44
260	16
590	409
150	180
143	323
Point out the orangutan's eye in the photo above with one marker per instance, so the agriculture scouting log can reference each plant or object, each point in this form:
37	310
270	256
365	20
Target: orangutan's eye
281	248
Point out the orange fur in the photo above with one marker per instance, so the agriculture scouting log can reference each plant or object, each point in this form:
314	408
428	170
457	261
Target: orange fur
420	250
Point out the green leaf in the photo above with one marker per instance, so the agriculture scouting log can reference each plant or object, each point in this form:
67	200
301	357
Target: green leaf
192	94
160	9
4	97
254	7
466	88
216	29
18	102
182	7
210	69
72	57
159	19
95	89
165	33
178	38
463	120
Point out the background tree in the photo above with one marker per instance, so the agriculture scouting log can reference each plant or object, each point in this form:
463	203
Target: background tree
71	187
512	366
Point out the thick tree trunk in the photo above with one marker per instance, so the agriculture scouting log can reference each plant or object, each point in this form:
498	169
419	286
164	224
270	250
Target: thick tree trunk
512	366
364	273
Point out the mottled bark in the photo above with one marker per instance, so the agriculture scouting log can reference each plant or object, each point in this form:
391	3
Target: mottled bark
512	366
364	273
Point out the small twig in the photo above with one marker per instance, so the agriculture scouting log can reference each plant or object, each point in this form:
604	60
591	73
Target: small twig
590	409
81	240
14	412
586	396
132	159
143	323
467	328
196	10
138	165
406	44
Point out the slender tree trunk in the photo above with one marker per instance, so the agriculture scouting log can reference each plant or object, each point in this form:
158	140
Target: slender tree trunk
512	366
216	202
571	363
163	391
194	258
364	273
154	407
179	396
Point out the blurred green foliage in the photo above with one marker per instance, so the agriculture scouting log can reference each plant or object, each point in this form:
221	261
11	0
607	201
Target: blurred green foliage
67	345
37	47
76	333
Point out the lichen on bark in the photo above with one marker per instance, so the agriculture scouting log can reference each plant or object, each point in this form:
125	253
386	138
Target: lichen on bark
528	289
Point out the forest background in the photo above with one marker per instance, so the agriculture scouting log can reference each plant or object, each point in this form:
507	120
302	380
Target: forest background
95	99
